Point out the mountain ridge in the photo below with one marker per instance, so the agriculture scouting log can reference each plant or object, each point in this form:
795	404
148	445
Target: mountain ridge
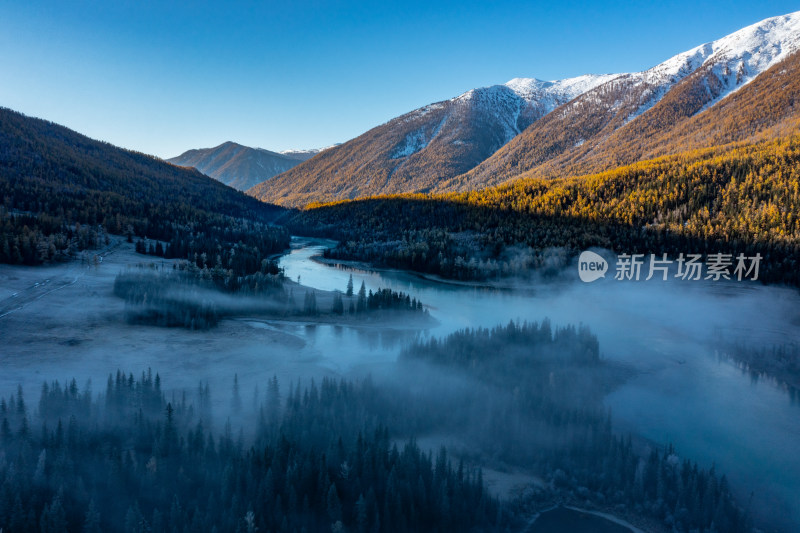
240	166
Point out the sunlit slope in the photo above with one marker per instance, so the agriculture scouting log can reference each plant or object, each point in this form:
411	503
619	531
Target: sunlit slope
739	88
737	198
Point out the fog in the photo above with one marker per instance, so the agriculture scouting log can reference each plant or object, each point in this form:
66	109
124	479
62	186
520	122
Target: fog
665	372
675	336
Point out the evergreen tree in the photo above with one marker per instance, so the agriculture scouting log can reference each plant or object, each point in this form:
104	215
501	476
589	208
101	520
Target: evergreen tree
310	303
334	505
53	519
91	522
349	292
236	401
361	306
338	304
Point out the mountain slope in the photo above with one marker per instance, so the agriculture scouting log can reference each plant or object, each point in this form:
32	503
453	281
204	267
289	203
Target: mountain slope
729	199
239	166
644	114
419	149
56	184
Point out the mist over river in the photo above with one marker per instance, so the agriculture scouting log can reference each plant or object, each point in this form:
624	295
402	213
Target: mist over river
63	321
673	334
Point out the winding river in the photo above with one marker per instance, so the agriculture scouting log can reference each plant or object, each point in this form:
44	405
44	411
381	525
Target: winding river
684	390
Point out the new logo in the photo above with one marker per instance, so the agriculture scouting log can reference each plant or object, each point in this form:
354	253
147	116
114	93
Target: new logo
591	266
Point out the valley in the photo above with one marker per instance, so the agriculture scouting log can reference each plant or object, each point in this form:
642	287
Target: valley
433	326
665	355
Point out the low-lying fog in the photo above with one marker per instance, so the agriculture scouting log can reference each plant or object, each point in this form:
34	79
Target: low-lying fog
62	322
675	335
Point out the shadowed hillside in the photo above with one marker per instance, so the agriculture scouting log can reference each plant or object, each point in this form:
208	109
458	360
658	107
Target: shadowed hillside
62	191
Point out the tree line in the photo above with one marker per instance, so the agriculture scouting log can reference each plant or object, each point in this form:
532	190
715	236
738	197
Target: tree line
193	298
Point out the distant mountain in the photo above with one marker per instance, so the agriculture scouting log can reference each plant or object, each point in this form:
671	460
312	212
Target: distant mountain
418	150
527	127
239	166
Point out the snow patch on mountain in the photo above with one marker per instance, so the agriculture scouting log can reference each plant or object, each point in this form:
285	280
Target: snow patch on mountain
307	152
422	111
532	91
497	102
413	142
416	141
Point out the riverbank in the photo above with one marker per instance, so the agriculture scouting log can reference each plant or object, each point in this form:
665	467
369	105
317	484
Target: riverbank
360	265
575	520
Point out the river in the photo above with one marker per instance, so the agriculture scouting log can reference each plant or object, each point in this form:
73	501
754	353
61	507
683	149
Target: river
683	392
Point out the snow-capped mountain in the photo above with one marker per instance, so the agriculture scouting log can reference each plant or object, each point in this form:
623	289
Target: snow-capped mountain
511	107
418	150
635	115
492	134
239	166
521	101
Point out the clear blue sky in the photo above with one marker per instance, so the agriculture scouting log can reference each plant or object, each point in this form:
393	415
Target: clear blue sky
162	77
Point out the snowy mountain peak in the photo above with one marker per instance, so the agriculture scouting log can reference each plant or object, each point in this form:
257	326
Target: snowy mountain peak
533	90
735	59
521	101
566	89
760	45
527	86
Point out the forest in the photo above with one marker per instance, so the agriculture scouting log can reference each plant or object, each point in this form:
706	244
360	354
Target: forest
130	460
733	199
341	455
186	296
535	398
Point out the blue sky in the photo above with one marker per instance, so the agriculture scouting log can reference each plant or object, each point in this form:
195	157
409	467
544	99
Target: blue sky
163	77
